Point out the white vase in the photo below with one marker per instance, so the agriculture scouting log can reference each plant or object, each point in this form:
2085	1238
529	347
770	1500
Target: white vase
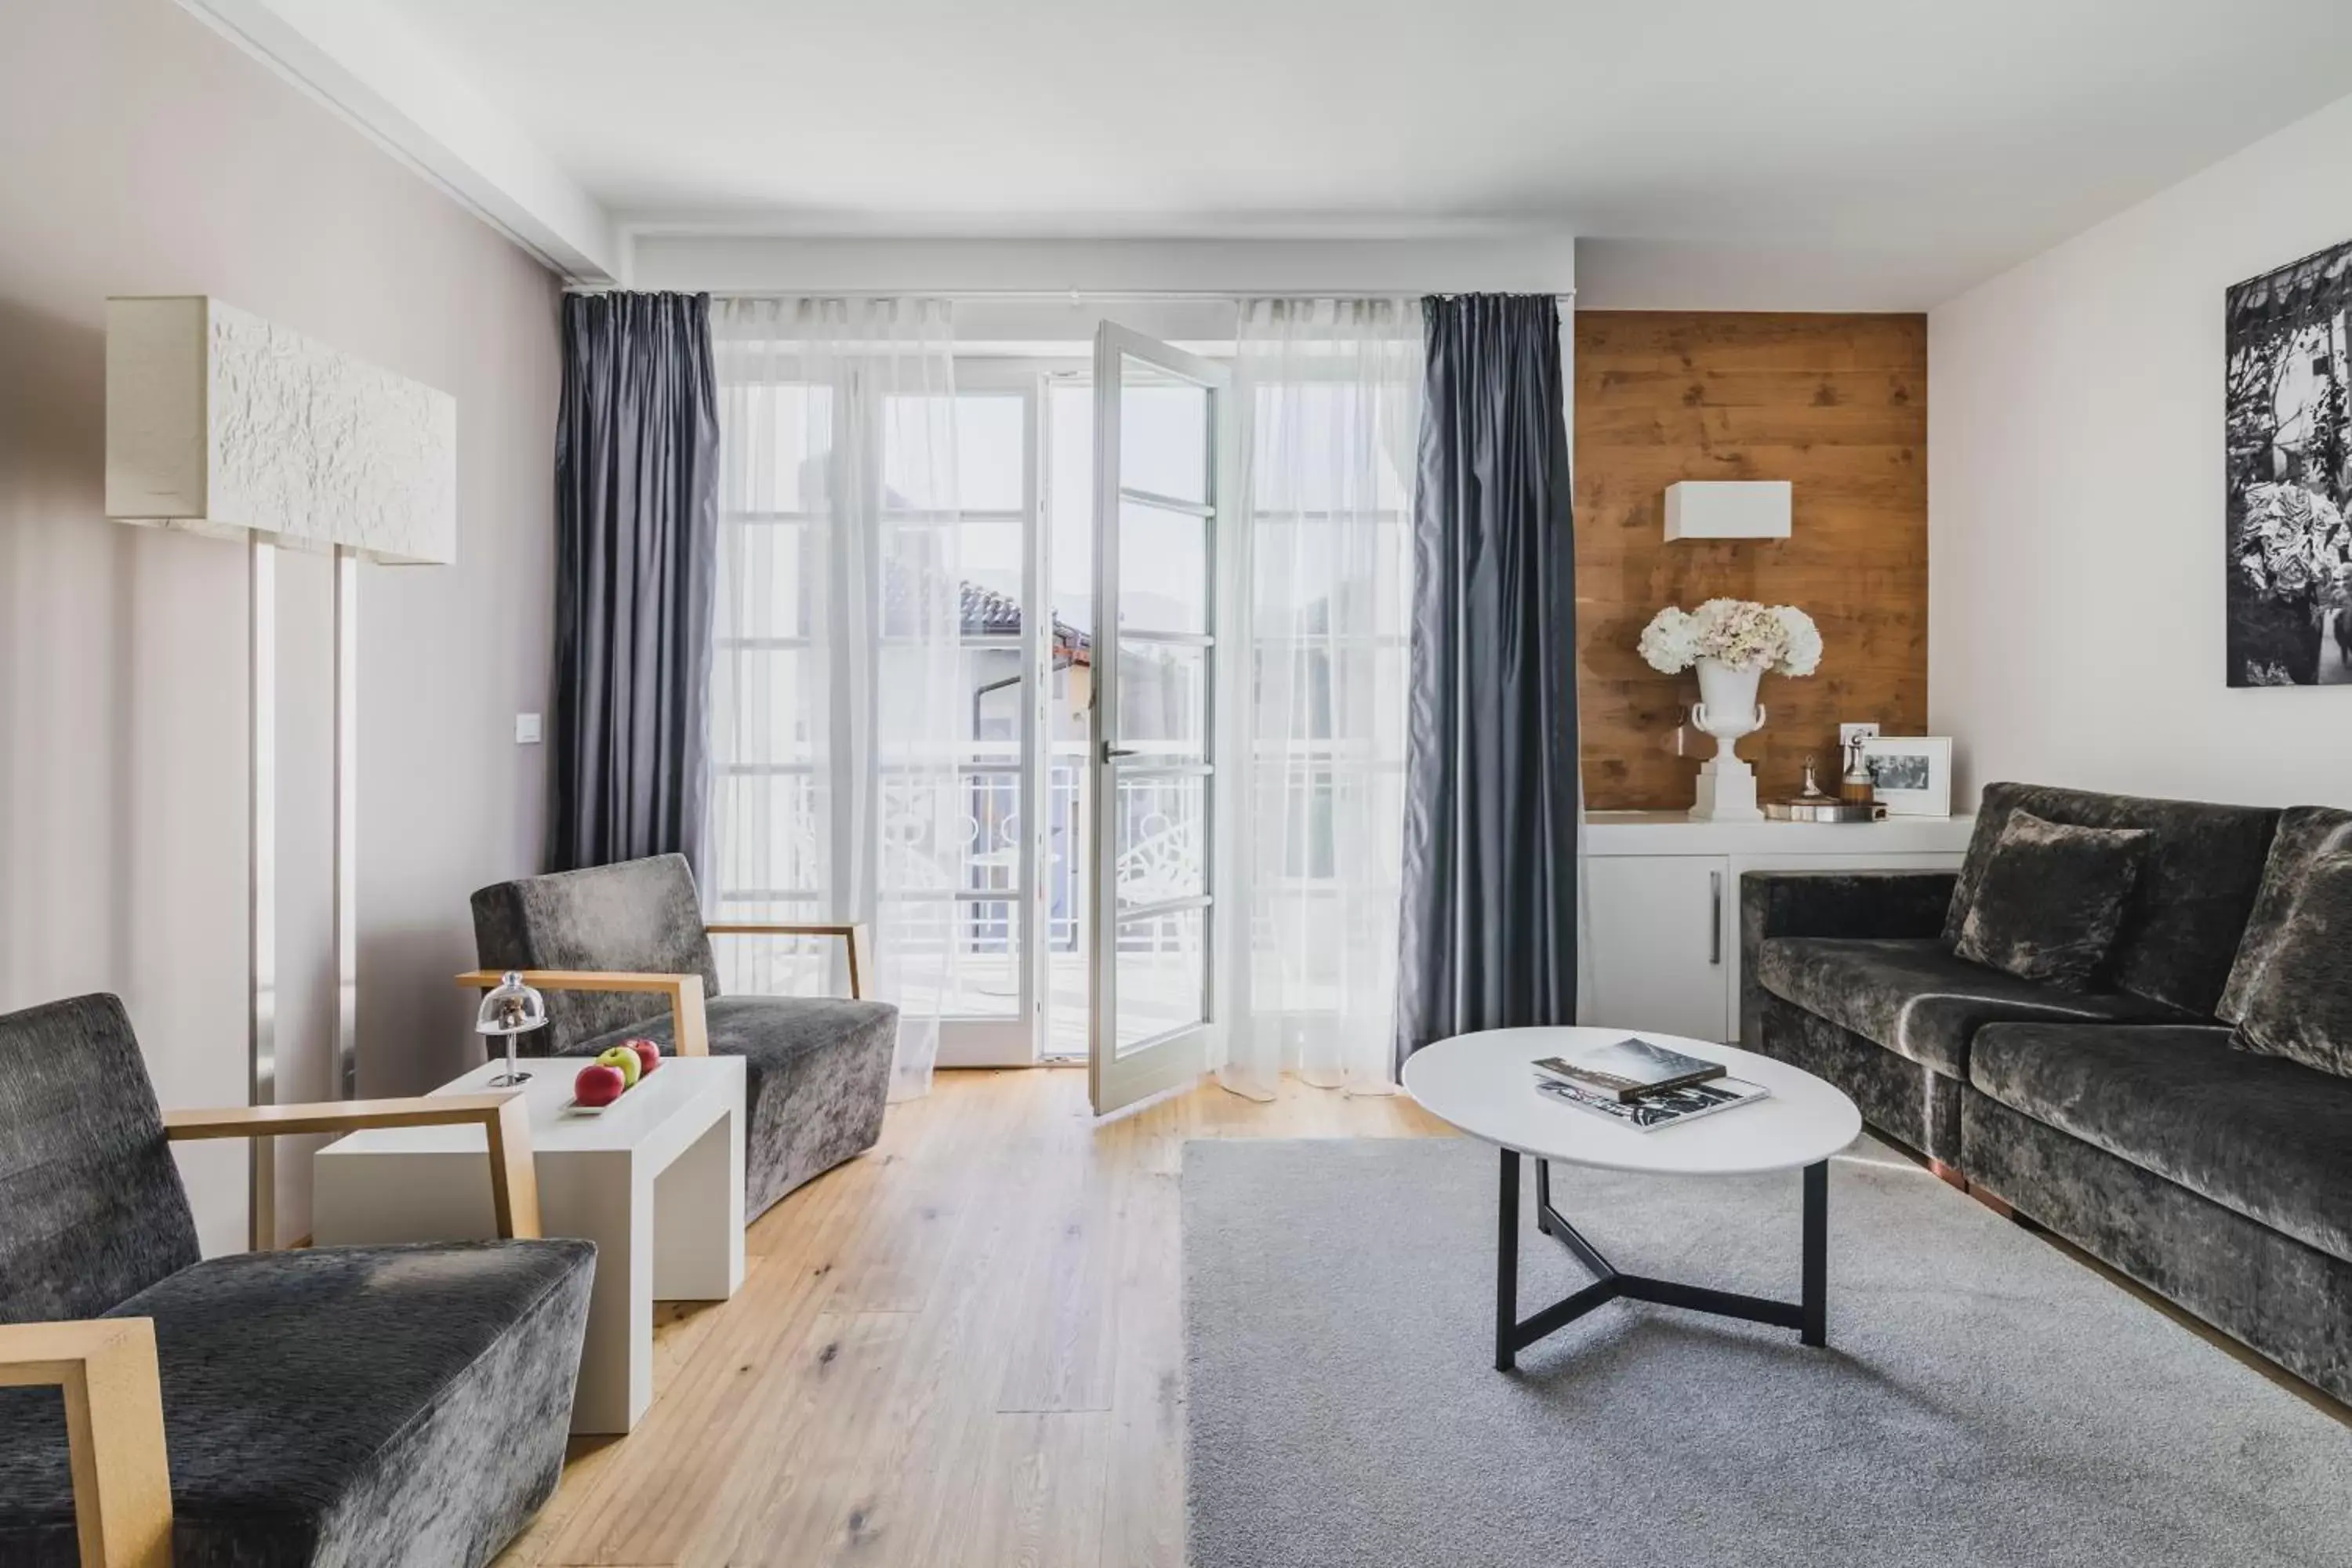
1727	708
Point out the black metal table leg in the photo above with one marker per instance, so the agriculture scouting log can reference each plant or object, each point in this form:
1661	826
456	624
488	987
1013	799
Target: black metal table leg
1809	1315
1816	1267
1506	1266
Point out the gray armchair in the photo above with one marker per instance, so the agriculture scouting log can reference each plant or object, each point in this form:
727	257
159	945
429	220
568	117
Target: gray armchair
623	949
354	1405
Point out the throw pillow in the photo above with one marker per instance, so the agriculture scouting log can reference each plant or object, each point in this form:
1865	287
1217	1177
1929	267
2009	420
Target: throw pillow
2300	1003
2051	899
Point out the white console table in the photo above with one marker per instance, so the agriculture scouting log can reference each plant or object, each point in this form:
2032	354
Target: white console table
1664	895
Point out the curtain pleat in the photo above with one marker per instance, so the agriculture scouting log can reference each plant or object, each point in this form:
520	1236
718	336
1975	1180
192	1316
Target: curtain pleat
635	559
1487	923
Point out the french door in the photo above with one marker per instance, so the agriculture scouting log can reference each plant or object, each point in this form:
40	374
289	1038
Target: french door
1159	890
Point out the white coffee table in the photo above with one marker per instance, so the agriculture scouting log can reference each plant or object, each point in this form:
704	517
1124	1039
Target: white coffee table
1485	1084
655	1182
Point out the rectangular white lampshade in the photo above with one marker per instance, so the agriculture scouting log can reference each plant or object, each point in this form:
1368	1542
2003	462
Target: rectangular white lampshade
1728	509
219	422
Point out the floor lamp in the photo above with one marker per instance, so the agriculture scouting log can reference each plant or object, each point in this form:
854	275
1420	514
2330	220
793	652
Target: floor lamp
220	423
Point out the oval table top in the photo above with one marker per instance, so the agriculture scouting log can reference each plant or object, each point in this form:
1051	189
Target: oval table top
1485	1084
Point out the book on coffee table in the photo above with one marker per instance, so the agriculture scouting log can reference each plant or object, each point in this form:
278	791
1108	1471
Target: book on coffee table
1627	1069
1665	1108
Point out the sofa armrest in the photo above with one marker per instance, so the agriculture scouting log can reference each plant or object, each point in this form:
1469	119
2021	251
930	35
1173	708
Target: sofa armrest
689	1028
1886	904
505	1119
852	934
106	1369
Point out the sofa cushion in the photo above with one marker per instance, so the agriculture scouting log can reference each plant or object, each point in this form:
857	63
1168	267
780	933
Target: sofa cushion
639	915
2305	834
2051	899
2196	887
342	1405
2300	1005
2266	1137
1920	1001
816	1075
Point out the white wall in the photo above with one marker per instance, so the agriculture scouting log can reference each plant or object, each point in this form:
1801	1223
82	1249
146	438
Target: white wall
141	152
2075	499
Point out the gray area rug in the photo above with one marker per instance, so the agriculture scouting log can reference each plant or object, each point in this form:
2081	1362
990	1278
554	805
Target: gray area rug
1984	1399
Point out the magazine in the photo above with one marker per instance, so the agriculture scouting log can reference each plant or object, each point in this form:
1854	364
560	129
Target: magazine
1629	1068
1664	1108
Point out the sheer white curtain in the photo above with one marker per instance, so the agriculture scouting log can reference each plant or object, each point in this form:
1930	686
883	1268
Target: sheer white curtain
835	695
1330	396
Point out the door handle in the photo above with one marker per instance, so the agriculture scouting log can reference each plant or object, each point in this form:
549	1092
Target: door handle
1715	936
1109	751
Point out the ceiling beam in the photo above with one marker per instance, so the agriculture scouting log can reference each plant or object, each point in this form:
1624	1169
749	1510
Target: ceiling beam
373	69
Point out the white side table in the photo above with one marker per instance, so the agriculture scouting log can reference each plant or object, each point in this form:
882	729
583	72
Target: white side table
655	1182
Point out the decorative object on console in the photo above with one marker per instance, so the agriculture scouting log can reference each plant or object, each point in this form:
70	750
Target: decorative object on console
1732	642
508	1009
223	424
2052	900
1911	776
1812	805
2288	433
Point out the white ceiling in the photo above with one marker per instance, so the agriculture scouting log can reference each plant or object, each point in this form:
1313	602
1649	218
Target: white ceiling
1927	143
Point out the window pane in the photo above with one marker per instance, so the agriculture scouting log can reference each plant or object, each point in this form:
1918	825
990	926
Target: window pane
1070	504
1159	823
1163	570
991	832
771	839
1163	433
787	473
989	558
943	454
1162	976
763	709
1162	709
1318	452
764	580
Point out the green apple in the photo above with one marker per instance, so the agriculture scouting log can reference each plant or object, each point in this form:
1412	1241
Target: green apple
626	1061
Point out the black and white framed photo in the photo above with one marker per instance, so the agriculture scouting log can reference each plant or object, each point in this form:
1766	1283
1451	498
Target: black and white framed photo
2289	593
1911	776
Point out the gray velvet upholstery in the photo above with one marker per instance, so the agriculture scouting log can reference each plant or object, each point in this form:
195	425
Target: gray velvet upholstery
1920	1001
2290	1302
90	1204
2196	887
1906	1101
2052	900
817	1076
2266	1137
639	915
341	1406
817	1071
2306	833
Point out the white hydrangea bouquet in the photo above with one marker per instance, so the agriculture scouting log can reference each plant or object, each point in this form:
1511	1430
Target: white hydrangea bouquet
1738	634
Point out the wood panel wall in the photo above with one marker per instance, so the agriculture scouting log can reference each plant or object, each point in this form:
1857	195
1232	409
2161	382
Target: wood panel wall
1837	405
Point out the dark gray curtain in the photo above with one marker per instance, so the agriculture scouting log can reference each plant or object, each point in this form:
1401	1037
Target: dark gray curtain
637	554
1488	923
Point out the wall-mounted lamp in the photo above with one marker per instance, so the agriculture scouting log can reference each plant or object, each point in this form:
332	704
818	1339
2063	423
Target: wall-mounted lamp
1728	509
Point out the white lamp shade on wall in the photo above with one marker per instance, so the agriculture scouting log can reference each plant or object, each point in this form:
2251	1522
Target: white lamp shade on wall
1728	509
221	422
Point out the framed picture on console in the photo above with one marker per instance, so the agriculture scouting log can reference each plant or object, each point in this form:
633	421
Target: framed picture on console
1911	776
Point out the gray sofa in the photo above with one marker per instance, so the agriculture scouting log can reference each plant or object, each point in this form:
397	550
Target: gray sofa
2129	1117
356	1405
817	1071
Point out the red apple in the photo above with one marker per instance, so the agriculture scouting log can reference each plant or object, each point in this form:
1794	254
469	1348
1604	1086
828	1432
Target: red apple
598	1085
648	1052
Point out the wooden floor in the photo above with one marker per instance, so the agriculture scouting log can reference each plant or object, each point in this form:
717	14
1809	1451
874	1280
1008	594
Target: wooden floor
962	1349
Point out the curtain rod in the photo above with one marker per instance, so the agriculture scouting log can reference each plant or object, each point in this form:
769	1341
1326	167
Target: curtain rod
1079	296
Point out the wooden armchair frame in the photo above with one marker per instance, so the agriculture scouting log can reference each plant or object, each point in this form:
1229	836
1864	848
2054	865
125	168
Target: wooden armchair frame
107	1368
689	1022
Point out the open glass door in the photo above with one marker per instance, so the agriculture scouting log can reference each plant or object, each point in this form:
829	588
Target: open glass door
1155	899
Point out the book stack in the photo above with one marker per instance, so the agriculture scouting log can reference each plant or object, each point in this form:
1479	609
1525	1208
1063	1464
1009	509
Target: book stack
1639	1084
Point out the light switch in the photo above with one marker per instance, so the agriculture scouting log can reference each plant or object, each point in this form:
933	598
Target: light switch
526	729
